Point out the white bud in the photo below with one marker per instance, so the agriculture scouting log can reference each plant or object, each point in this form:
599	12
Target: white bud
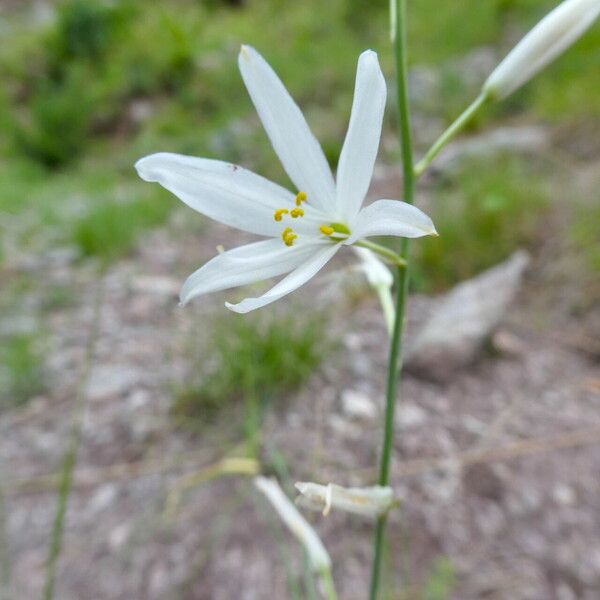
317	555
381	280
377	274
549	38
367	502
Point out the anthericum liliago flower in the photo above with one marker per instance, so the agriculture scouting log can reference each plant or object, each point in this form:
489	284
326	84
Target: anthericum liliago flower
307	227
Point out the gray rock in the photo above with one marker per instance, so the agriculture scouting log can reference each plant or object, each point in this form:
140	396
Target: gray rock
409	415
111	381
357	405
530	139
464	319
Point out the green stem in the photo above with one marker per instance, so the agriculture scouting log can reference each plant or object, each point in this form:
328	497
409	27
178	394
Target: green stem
401	288
459	124
328	585
392	256
70	458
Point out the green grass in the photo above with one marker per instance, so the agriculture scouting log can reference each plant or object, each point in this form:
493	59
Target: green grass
440	581
491	208
257	357
68	137
21	369
585	236
111	229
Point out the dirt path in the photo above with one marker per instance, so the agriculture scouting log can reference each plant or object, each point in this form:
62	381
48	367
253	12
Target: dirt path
498	471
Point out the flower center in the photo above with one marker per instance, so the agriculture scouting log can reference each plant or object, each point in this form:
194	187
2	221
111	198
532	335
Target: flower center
335	231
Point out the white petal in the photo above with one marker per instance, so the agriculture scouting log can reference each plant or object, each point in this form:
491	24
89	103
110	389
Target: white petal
244	265
391	217
222	191
292	140
359	152
292	282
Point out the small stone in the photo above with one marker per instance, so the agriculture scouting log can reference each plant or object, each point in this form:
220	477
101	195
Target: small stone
564	494
159	286
508	344
118	536
409	416
110	381
103	498
357	405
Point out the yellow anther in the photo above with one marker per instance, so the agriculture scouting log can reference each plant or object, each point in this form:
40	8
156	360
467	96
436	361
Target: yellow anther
326	230
278	215
300	198
296	212
288	236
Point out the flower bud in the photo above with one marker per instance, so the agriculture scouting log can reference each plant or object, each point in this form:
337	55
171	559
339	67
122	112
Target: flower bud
549	38
367	502
377	274
317	555
381	280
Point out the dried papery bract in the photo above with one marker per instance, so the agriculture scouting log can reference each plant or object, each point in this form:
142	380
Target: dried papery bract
367	501
557	31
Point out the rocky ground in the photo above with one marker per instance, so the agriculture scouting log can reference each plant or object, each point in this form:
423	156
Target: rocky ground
496	465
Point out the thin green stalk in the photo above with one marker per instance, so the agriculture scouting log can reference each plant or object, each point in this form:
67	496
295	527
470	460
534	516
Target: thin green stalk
401	287
66	478
392	256
5	577
459	124
328	585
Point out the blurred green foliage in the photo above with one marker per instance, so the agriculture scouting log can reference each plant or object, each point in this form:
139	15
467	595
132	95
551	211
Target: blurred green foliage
584	235
440	581
491	208
256	357
110	229
21	369
102	83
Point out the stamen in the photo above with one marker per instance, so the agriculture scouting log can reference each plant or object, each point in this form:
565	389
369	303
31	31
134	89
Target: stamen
300	198
278	214
296	212
326	230
288	236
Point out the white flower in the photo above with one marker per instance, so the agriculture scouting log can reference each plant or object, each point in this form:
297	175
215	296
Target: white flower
317	555
304	229
549	38
367	502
